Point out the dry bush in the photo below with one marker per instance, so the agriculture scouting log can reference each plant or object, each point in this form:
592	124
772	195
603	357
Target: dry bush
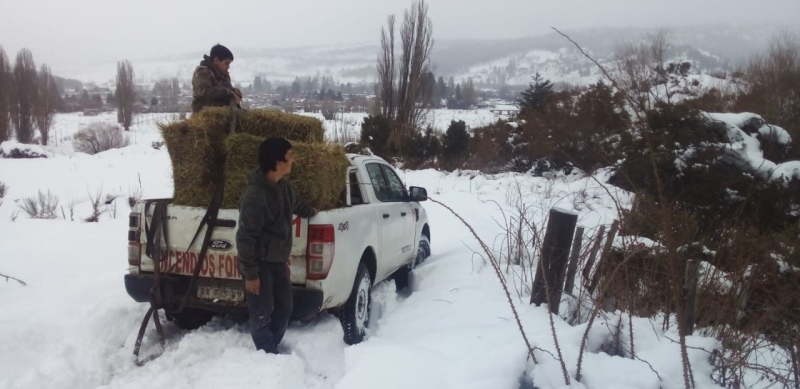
491	148
678	160
773	86
96	204
713	100
3	189
43	206
99	137
587	131
748	287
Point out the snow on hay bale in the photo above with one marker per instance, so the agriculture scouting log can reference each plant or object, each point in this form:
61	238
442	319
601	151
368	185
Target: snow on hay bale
318	174
196	146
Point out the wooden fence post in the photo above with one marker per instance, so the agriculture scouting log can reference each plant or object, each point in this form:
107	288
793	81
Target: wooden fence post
587	268
549	280
598	273
569	285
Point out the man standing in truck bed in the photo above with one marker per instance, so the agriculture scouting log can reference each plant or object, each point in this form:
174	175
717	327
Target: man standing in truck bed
211	83
264	242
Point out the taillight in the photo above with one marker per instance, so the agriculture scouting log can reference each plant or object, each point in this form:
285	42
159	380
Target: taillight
320	251
134	242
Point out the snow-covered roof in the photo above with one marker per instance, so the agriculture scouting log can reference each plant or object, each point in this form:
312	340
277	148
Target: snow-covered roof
505	107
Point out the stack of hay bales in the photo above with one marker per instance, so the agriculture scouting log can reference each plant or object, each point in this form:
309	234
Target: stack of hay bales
204	155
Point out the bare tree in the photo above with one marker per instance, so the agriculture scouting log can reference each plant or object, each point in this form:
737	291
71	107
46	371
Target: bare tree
640	67
25	96
400	84
168	91
5	95
386	70
47	97
126	94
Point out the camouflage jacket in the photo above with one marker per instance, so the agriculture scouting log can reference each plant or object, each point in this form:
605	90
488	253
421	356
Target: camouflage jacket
211	88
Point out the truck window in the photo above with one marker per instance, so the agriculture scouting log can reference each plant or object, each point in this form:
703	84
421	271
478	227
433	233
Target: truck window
378	180
398	190
355	190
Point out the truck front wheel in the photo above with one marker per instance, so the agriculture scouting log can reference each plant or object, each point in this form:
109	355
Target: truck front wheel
355	314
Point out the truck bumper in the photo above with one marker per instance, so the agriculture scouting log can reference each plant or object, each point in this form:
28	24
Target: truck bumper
307	302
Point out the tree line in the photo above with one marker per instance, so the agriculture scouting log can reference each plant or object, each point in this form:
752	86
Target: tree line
29	98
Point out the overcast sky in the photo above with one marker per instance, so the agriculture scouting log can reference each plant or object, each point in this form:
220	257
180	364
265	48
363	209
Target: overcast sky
63	33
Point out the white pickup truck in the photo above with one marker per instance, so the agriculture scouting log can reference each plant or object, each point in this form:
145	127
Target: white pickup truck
337	255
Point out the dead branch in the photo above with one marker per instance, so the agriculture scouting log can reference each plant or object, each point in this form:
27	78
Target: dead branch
21	282
496	267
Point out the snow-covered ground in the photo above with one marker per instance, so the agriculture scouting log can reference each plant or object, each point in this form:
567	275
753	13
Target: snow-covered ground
73	325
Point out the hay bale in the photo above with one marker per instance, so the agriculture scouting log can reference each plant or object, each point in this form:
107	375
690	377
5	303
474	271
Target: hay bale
318	174
264	123
197	146
194	152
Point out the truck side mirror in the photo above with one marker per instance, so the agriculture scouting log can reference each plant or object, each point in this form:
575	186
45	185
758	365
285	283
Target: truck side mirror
418	194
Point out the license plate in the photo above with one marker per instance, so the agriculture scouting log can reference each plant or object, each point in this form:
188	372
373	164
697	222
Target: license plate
220	294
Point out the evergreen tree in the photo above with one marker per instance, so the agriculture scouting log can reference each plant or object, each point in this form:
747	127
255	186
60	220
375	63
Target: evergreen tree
535	97
456	141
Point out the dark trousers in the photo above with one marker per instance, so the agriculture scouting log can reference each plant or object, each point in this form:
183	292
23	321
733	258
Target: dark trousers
271	309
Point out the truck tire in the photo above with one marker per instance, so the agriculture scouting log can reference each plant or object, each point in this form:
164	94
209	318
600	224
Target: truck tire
401	276
423	251
190	318
355	314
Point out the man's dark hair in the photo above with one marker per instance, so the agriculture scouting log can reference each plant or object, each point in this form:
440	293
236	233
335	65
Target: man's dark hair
271	151
221	52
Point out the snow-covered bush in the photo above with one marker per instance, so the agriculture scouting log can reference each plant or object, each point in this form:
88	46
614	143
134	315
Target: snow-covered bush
99	137
13	149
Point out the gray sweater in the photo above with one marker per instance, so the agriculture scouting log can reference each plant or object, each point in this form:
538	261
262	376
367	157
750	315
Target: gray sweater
265	222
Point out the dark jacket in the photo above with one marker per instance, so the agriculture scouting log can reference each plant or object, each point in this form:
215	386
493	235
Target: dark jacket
265	222
210	88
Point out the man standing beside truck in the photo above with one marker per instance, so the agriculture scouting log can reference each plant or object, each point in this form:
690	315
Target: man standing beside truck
264	241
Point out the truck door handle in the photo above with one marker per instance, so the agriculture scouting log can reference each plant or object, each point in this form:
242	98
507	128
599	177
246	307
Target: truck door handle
385	215
403	214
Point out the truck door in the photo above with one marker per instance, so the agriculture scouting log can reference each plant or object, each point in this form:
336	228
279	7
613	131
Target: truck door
395	217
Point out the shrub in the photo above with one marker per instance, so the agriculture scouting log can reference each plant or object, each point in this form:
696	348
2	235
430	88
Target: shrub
455	143
490	147
3	188
375	132
99	137
422	150
42	206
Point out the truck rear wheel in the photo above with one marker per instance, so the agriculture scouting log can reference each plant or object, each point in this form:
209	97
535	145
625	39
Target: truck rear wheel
355	315
190	318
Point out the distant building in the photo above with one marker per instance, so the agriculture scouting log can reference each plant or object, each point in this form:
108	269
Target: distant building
505	109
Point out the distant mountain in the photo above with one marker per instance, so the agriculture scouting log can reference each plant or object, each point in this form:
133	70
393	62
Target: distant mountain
486	61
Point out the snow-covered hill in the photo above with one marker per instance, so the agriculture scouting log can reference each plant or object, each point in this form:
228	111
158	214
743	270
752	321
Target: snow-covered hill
512	60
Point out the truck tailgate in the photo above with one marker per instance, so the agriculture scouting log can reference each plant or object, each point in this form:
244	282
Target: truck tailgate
222	259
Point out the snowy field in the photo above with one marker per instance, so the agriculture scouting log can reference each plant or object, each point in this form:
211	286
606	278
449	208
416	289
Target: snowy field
74	326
